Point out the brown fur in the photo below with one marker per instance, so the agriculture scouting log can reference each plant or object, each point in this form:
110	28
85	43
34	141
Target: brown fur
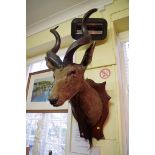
88	130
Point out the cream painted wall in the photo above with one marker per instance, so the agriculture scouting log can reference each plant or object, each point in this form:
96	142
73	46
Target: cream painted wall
105	56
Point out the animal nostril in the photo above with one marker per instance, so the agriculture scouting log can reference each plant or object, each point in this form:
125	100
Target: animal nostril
53	101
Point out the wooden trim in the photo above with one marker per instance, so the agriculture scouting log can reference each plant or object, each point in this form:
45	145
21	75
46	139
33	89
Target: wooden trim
27	150
48	111
42	71
27	87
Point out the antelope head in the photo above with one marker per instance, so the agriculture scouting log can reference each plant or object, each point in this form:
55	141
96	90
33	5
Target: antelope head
68	76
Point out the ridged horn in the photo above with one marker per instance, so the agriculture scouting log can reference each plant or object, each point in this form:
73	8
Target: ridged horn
68	59
52	60
58	40
84	20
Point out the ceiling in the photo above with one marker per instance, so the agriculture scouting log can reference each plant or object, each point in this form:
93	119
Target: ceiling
42	14
37	10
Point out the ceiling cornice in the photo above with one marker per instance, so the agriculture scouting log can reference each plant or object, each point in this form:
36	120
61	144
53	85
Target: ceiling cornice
65	15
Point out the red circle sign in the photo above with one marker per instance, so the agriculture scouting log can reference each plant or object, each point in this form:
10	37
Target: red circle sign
105	73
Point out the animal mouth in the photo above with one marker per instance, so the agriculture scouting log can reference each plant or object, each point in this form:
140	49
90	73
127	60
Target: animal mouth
56	102
60	102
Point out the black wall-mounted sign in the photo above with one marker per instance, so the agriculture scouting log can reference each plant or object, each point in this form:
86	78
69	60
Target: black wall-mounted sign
97	27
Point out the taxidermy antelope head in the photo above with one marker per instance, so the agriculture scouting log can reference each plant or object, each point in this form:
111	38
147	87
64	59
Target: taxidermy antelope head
89	100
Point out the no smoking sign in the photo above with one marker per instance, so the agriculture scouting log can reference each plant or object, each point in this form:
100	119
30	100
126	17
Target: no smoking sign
105	73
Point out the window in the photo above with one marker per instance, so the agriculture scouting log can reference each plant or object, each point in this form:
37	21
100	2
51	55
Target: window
37	66
45	132
126	59
124	54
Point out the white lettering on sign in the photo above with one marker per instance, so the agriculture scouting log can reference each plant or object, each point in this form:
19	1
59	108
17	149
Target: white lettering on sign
105	73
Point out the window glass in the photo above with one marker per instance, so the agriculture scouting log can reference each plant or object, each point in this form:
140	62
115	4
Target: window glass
43	65
37	66
126	59
45	132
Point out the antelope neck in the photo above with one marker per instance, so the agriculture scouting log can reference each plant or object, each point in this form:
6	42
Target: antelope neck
84	88
90	103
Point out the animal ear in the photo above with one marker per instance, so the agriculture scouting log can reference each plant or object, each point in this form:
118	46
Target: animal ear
87	58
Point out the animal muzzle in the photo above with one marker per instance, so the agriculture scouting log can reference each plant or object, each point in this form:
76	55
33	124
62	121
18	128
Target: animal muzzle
53	101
